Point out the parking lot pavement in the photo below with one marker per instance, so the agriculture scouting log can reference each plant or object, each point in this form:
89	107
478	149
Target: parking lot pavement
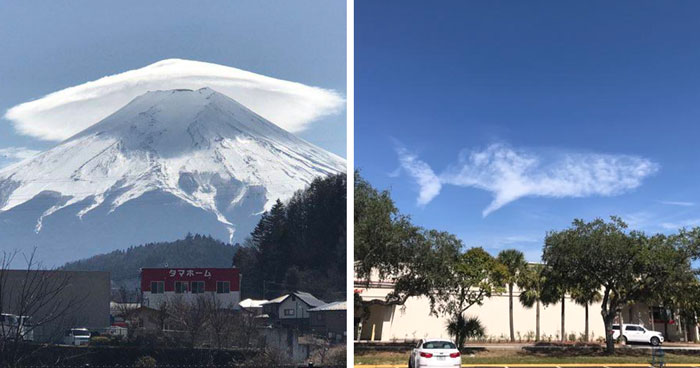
597	365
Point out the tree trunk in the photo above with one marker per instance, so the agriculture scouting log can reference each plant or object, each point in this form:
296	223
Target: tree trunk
563	330
510	311
609	341
537	321
586	310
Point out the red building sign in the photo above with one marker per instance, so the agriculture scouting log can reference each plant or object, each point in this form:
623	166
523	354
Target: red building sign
209	276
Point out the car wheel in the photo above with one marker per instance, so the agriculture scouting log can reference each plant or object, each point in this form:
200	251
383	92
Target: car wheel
410	363
655	341
624	340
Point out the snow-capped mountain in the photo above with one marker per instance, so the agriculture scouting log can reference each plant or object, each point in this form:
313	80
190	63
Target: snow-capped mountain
167	163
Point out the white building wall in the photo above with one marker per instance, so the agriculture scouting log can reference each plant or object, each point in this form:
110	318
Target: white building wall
412	321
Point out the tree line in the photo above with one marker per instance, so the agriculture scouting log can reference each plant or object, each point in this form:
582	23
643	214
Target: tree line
194	250
299	245
589	262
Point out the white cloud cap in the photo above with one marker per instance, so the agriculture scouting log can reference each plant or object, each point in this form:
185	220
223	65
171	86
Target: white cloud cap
509	174
59	115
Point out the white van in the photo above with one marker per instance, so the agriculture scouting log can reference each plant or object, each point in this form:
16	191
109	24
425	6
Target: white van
76	336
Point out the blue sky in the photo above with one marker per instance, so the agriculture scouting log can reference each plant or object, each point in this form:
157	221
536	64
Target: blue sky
499	121
48	46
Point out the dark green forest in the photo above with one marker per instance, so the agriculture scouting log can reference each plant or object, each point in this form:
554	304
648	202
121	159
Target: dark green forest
299	245
123	265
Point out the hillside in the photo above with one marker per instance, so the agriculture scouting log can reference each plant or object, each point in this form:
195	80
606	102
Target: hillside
124	265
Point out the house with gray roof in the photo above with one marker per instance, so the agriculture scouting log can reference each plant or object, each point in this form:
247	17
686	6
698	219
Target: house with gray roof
329	319
291	309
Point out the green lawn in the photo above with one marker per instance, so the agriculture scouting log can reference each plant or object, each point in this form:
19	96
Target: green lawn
517	357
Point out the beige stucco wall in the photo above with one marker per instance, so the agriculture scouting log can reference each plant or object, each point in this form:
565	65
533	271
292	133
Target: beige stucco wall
412	321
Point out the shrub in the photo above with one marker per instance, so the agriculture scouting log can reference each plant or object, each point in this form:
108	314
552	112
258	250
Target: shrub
337	356
100	341
462	329
145	362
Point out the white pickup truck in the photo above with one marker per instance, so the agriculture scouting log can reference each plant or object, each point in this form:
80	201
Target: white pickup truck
637	333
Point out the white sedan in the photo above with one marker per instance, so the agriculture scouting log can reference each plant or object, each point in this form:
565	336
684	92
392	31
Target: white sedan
435	353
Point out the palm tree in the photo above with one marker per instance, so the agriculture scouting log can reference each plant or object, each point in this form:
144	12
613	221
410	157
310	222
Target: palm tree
586	298
514	262
531	284
464	328
554	291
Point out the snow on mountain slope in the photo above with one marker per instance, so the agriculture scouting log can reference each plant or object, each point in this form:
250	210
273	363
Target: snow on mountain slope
196	149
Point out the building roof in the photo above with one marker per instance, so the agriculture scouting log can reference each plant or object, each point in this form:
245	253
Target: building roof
307	298
335	306
252	303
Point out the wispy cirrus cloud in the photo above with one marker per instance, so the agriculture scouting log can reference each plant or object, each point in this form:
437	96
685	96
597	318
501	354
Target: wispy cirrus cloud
681	224
429	183
678	203
59	115
509	174
10	155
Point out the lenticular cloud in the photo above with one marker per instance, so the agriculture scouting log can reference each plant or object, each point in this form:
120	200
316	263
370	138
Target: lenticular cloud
510	174
59	115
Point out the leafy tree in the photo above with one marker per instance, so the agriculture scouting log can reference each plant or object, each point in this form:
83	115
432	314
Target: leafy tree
462	328
468	280
514	263
679	293
388	245
430	259
382	235
531	284
627	267
689	305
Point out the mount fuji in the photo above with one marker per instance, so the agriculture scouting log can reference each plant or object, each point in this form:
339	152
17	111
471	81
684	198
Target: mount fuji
167	163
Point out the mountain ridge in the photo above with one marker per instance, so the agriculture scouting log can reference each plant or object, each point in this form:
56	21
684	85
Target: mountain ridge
208	155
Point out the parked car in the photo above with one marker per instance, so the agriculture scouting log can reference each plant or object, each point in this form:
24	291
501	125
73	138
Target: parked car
10	323
76	336
435	353
637	333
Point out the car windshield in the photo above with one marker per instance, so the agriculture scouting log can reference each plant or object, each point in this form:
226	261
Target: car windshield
616	327
439	345
81	333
